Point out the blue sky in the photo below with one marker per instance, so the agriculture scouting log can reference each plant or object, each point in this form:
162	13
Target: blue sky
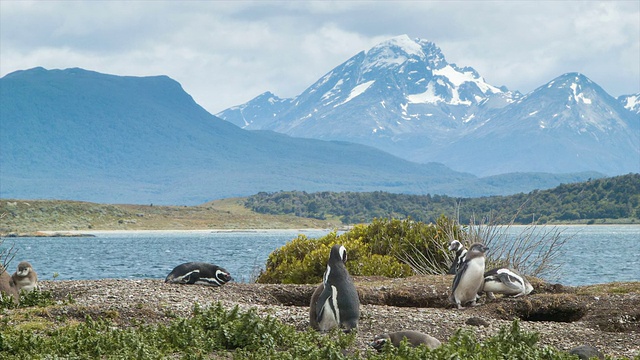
225	53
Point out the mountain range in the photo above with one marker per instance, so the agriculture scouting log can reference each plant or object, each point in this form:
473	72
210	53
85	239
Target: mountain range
404	98
82	135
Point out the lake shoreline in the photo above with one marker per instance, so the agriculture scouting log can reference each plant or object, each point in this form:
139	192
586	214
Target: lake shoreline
94	233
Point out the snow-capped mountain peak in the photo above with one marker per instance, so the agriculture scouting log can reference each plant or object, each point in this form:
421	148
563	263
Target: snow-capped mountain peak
403	97
400	49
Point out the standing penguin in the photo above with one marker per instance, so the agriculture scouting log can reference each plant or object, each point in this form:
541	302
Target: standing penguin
460	250
337	304
199	273
469	279
25	278
505	281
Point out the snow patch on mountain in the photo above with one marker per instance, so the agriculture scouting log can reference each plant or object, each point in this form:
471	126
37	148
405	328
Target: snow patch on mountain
631	102
357	90
427	97
392	52
579	96
458	78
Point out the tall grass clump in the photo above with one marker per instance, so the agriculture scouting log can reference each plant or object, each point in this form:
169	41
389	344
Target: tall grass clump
531	249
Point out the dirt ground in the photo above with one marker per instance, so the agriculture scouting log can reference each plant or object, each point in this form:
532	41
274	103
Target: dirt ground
605	316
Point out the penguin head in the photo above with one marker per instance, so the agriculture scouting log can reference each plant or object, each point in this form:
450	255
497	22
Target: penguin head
223	276
379	341
455	245
24	268
338	253
476	250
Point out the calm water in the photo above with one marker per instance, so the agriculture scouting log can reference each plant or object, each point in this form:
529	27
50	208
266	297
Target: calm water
592	254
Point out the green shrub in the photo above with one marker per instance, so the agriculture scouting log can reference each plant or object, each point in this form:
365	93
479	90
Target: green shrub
40	298
392	248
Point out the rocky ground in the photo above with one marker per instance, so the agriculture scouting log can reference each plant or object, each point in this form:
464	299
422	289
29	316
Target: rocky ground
604	316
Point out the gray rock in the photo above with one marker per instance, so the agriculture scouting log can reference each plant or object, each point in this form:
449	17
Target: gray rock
586	352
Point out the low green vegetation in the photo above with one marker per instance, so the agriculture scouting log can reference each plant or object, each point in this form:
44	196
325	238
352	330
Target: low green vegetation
392	248
28	299
608	200
215	332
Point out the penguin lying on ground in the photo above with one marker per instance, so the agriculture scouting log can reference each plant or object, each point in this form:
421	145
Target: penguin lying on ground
460	250
25	278
199	273
505	281
414	339
337	303
7	286
469	279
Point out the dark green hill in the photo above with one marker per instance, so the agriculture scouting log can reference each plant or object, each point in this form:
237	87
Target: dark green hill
82	135
613	199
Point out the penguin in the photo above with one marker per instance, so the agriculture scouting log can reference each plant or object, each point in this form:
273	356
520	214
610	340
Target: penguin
338	304
313	321
7	286
25	278
414	339
505	281
460	250
469	279
198	273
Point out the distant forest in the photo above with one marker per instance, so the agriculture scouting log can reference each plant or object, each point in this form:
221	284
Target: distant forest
613	199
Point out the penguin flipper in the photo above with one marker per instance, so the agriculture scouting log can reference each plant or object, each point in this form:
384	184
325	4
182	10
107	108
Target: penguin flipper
453	268
456	279
189	278
322	299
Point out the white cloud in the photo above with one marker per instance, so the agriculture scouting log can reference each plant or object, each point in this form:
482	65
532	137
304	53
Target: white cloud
227	52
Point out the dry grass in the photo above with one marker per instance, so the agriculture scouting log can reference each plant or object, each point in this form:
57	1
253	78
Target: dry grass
28	216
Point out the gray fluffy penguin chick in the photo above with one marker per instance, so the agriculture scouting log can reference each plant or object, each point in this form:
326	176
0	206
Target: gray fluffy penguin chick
7	286
313	320
338	304
25	278
414	338
469	279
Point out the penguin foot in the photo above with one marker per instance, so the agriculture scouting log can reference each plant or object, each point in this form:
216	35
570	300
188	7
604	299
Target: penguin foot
474	303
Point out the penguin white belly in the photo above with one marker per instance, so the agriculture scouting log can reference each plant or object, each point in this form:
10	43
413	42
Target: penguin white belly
25	284
330	314
471	282
500	288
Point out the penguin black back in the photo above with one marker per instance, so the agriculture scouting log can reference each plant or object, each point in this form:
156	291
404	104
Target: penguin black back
459	258
200	273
